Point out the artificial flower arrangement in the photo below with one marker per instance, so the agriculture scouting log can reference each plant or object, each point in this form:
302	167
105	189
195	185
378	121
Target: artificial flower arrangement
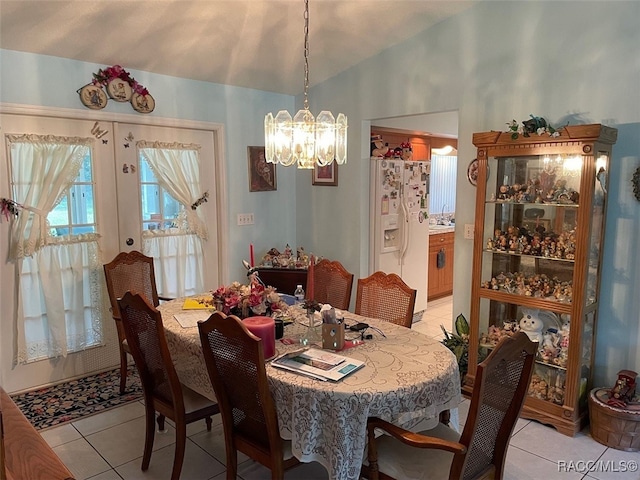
120	86
104	76
246	300
537	125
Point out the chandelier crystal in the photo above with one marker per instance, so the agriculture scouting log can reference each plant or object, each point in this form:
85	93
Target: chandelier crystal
304	139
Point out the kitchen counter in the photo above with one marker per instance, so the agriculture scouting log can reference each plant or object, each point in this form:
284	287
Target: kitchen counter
434	229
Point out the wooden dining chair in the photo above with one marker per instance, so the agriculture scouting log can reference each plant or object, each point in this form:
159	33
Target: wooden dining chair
386	297
332	284
129	271
501	384
235	362
163	392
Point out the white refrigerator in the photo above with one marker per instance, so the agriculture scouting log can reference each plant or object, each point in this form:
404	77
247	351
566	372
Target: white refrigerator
399	231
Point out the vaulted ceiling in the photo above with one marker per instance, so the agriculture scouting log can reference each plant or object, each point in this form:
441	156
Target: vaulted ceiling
247	43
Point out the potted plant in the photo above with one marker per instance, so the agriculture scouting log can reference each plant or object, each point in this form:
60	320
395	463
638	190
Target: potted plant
458	343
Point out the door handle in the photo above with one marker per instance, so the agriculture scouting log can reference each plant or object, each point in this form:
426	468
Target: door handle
129	241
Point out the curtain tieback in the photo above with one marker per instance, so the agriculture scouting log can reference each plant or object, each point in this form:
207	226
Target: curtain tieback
204	198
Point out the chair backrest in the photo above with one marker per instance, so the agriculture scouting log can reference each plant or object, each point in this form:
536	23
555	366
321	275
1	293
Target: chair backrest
145	334
235	361
386	297
130	271
500	387
332	284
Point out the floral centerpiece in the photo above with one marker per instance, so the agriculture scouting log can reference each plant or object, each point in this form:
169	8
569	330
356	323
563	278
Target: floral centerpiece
247	300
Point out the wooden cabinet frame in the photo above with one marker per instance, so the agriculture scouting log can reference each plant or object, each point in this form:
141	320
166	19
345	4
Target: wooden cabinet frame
592	143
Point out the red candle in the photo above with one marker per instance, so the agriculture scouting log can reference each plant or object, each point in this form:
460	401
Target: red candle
251	255
311	280
265	329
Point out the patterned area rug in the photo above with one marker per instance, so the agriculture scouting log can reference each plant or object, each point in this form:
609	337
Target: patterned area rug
69	401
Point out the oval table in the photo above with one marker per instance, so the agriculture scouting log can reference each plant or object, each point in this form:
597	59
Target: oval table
408	379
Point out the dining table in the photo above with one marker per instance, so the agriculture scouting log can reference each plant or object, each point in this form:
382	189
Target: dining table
408	379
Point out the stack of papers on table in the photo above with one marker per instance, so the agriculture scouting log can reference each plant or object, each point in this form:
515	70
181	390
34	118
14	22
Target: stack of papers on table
318	364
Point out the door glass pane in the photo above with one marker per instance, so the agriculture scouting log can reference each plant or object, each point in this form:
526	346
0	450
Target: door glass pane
159	208
150	203
75	213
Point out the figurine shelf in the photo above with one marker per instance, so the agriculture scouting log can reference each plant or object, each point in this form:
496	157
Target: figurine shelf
539	228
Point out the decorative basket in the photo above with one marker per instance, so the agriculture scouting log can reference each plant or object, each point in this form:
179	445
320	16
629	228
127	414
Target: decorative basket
614	427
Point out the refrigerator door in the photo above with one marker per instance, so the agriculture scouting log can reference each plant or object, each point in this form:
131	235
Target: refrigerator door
386	233
415	248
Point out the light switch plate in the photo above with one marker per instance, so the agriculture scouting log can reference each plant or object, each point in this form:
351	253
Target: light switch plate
468	231
245	219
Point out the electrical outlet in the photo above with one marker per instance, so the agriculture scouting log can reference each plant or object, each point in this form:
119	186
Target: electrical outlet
245	219
468	231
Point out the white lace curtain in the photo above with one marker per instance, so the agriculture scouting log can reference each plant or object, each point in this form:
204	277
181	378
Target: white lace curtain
59	307
178	253
42	169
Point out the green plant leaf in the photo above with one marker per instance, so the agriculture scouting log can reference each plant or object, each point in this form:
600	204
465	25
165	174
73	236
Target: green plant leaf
462	326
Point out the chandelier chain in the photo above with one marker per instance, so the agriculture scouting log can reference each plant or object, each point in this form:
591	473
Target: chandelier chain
306	54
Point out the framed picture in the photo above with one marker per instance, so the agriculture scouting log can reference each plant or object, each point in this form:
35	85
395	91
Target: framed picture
262	175
326	175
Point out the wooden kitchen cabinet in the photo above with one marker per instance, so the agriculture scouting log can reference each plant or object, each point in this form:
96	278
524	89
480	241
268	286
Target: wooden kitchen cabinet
537	252
440	283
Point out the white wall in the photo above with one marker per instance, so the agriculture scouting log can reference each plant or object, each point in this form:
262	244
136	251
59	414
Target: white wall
493	63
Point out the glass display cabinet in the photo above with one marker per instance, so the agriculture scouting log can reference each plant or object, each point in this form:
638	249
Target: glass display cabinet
539	228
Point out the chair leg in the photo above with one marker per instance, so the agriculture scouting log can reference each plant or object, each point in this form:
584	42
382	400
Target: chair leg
373	470
161	423
232	463
149	436
445	417
181	441
208	421
123	370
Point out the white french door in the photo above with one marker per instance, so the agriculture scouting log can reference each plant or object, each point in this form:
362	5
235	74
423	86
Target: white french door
119	222
133	222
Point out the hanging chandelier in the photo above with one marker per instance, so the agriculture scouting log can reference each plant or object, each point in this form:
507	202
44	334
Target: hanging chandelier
305	140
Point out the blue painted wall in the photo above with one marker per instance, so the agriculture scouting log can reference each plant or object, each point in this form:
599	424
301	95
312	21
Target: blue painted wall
493	63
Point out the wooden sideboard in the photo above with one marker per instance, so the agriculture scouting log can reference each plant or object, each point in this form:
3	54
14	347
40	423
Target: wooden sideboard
284	280
25	454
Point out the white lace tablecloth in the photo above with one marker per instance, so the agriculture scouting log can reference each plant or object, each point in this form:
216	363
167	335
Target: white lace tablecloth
408	378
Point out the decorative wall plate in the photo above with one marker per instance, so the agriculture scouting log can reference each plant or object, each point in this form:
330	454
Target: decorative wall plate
143	103
93	97
472	172
119	90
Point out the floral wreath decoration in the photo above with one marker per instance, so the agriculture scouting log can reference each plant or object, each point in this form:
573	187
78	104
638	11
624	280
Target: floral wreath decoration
537	125
120	86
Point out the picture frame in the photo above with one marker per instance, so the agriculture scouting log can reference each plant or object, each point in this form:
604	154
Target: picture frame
325	176
262	175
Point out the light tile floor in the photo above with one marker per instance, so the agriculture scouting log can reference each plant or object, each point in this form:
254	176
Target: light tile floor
108	446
